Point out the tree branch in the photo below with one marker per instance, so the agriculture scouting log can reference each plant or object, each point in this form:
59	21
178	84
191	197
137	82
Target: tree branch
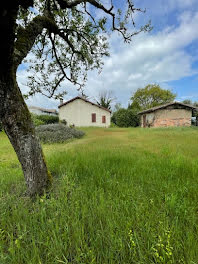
60	65
26	37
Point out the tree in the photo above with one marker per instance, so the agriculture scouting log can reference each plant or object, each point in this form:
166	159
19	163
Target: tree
117	106
150	96
66	40
105	99
187	101
126	118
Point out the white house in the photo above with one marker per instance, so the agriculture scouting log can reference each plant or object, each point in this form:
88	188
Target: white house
81	112
42	111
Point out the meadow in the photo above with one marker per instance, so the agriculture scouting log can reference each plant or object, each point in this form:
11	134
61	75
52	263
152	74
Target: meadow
119	195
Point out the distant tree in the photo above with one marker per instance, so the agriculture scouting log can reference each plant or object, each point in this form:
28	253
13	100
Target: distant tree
150	96
105	99
187	101
117	106
125	118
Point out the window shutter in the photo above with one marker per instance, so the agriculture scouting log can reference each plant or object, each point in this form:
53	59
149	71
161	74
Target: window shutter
103	119
93	118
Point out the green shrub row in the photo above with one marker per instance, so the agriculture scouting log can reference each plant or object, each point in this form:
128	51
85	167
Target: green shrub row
126	118
44	119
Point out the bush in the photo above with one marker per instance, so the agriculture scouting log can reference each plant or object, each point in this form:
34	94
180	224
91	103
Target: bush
126	118
56	133
1	127
48	119
44	119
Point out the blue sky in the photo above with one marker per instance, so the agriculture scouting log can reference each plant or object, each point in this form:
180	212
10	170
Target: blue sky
168	56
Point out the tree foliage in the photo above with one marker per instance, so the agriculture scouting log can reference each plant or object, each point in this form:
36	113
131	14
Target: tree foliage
187	101
44	119
150	96
71	40
126	118
105	99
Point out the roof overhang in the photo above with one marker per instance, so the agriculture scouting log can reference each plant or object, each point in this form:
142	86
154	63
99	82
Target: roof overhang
153	109
85	100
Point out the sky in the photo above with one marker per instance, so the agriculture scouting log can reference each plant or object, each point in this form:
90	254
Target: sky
168	56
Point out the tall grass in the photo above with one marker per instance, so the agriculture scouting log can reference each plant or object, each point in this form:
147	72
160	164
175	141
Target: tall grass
119	196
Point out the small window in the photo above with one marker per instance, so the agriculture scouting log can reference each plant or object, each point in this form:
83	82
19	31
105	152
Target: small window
104	119
93	118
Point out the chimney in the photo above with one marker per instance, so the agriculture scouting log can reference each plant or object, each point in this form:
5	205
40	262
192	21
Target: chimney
61	101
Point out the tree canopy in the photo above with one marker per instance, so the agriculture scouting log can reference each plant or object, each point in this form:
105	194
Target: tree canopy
126	118
67	40
150	96
105	99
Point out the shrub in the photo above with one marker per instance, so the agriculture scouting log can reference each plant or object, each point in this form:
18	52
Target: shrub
126	118
48	119
56	133
64	122
1	127
44	119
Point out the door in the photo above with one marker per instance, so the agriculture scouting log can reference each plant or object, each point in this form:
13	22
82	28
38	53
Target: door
144	120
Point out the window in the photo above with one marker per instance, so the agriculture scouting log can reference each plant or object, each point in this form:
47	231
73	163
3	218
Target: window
104	119
93	118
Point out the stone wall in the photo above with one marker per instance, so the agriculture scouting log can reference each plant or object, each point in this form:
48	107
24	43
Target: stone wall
172	122
172	117
168	118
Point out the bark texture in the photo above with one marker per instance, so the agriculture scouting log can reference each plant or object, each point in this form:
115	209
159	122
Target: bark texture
14	113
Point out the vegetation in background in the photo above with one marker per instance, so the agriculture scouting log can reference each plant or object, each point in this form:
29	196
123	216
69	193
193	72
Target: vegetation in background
56	133
150	96
105	99
44	119
119	196
125	118
189	102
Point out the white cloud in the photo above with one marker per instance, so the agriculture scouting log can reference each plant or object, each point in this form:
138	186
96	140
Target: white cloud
151	58
180	4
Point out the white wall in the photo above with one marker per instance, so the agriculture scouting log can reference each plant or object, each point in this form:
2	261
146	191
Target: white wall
79	113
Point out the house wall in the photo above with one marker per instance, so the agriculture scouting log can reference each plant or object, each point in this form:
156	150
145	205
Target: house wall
79	113
168	117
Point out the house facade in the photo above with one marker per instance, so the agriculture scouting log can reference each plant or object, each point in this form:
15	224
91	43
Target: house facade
172	114
81	112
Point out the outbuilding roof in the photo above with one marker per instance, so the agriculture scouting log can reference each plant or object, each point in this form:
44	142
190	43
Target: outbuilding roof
43	109
85	100
166	105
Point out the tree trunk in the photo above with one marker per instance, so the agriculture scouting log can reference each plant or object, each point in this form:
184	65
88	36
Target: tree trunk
14	113
20	130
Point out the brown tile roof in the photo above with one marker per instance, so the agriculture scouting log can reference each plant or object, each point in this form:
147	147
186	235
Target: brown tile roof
85	100
164	106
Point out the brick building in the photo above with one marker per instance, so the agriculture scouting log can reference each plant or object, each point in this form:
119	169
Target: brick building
171	114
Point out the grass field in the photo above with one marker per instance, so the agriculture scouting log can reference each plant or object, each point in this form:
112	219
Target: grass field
119	196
